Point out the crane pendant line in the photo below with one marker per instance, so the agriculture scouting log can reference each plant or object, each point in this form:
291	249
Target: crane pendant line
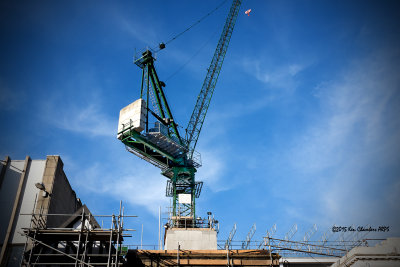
203	100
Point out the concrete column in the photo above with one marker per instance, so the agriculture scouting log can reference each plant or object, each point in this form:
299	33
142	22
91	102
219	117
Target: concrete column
43	202
14	213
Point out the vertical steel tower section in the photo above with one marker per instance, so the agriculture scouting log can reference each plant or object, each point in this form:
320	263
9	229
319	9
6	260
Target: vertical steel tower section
207	90
186	174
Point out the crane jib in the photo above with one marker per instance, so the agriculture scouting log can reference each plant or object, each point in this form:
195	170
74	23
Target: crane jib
203	100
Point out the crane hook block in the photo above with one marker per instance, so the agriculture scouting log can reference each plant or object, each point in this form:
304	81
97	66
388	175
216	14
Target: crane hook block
161	46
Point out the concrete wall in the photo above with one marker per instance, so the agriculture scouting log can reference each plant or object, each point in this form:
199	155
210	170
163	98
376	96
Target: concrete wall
385	254
314	261
62	199
191	238
202	258
35	174
17	196
8	191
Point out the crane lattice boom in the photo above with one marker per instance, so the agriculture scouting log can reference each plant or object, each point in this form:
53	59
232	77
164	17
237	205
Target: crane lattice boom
207	90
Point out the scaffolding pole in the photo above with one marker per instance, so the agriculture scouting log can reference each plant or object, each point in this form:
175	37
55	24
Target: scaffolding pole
82	242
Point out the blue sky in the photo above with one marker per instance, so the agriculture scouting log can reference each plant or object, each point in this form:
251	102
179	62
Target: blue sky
303	126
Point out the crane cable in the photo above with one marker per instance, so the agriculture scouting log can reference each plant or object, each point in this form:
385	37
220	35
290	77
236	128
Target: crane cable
162	45
191	58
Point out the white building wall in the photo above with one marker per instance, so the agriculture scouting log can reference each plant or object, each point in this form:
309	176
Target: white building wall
13	180
307	261
384	254
35	175
8	191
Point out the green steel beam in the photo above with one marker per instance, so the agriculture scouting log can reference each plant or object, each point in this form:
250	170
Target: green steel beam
135	137
160	91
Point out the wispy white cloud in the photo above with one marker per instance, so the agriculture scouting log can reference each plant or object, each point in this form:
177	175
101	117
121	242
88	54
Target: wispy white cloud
88	120
350	151
217	153
134	182
138	183
281	80
144	34
122	178
214	168
280	77
356	111
221	117
134	24
81	111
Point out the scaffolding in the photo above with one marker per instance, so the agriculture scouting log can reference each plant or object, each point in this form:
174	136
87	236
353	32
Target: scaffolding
189	222
328	245
79	241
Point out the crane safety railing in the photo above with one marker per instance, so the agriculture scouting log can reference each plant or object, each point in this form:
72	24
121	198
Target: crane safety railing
190	223
158	136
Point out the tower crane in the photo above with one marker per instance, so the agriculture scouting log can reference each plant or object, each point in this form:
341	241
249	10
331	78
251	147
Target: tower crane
147	127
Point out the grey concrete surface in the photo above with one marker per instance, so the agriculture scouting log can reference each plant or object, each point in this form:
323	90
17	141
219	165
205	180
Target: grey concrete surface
191	238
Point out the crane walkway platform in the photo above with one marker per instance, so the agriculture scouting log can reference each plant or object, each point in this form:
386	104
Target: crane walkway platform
165	143
159	137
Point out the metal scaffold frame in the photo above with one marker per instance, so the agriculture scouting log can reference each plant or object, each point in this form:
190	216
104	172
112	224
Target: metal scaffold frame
83	243
328	245
285	247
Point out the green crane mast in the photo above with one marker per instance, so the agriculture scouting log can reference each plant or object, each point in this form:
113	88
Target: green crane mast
153	135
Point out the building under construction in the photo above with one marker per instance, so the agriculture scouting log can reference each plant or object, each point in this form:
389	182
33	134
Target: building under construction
45	224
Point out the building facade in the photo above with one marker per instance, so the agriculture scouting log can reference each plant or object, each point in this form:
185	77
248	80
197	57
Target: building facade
26	187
